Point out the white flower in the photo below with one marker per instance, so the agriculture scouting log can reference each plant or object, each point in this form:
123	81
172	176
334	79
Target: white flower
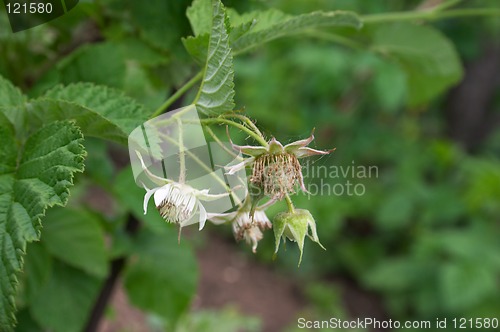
177	202
245	226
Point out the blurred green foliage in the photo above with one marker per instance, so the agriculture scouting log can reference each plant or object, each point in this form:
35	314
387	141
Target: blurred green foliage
423	236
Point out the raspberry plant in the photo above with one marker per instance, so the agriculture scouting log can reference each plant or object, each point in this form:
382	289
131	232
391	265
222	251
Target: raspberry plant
44	134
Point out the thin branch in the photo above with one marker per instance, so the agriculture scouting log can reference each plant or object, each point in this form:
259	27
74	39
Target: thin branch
117	266
189	84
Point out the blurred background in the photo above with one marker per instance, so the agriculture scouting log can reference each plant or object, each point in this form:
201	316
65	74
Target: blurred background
422	240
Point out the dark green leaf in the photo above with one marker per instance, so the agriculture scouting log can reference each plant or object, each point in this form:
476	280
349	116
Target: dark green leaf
118	109
47	163
37	269
64	303
162	275
75	237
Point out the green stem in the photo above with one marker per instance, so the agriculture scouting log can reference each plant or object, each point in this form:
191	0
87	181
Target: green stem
222	145
206	168
315	33
289	203
446	5
189	84
429	15
182	155
239	126
247	121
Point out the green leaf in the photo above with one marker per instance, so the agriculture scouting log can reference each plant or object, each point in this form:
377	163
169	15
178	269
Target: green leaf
161	22
396	274
102	63
273	24
11	99
90	121
225	320
64	303
119	110
9	94
33	176
395	210
75	237
217	88
26	322
199	16
464	285
162	275
427	56
37	269
197	47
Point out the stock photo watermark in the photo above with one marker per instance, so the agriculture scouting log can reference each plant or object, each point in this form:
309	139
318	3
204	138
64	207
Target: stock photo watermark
337	180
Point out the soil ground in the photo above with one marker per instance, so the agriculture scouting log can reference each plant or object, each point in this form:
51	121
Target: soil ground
228	277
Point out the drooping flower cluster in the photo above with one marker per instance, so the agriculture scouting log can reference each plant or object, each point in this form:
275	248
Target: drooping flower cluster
247	225
275	173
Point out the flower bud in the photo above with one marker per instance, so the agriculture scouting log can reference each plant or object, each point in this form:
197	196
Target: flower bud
295	226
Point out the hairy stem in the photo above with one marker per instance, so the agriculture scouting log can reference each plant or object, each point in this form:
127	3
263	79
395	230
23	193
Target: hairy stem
249	123
241	127
221	144
428	15
182	156
207	169
289	204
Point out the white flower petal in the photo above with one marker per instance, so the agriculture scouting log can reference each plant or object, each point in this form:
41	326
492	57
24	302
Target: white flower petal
147	196
221	218
203	215
162	193
211	197
238	167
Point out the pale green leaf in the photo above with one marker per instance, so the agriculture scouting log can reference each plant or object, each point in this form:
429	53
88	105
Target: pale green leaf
118	109
199	15
429	59
217	88
64	302
197	47
273	24
162	277
9	94
75	237
11	102
33	176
